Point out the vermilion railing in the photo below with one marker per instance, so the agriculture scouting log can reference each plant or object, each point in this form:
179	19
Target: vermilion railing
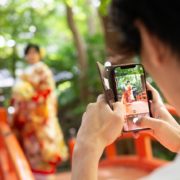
13	163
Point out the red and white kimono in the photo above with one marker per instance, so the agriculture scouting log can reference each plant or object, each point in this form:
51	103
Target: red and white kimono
35	121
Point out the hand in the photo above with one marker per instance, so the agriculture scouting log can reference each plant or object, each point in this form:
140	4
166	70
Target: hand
158	108
100	124
100	127
166	129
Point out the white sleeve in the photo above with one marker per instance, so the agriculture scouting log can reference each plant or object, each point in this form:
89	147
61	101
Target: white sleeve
171	171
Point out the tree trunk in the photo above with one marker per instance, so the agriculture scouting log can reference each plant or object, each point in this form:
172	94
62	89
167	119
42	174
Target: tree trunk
90	19
81	53
14	56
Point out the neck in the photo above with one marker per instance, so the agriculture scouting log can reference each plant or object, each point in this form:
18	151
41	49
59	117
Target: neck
168	80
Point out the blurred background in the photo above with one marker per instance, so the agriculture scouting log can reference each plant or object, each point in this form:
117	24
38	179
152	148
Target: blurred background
73	35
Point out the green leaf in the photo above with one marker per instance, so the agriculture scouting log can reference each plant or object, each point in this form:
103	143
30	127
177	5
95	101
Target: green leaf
103	8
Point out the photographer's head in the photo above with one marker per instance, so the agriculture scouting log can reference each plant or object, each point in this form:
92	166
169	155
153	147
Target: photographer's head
32	53
150	28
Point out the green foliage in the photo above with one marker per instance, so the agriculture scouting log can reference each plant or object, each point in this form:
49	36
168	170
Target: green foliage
161	152
103	8
68	99
129	71
132	75
96	52
45	23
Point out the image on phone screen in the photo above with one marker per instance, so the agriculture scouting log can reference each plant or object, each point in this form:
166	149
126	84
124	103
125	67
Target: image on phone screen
131	91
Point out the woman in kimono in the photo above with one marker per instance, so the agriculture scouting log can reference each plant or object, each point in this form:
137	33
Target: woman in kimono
35	121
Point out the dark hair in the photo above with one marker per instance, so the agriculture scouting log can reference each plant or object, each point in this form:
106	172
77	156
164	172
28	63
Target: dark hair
29	46
161	18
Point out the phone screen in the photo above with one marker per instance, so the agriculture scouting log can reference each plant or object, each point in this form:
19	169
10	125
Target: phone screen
131	91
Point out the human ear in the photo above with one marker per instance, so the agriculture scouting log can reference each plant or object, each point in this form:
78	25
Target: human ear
152	49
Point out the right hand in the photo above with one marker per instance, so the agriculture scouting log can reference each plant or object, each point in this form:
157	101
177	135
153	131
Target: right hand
100	124
166	129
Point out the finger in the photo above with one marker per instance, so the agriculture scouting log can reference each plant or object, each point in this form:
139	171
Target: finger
90	106
149	86
118	108
155	95
148	122
152	89
101	98
103	103
84	115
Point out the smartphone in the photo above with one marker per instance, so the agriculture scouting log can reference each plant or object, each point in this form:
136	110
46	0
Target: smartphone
129	87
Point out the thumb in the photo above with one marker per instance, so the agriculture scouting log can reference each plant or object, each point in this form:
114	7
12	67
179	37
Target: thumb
148	122
118	108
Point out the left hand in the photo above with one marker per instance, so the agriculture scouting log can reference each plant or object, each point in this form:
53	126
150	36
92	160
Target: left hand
100	125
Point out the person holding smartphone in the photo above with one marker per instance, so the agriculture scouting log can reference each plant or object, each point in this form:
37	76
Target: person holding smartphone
149	29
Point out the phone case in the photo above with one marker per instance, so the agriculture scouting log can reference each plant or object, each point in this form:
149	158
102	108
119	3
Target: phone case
105	73
109	87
